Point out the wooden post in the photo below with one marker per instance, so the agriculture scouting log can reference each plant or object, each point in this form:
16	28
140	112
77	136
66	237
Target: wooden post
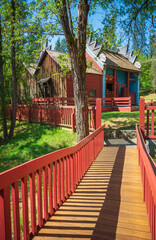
114	82
73	120
40	115
5	219
55	117
128	84
98	113
142	115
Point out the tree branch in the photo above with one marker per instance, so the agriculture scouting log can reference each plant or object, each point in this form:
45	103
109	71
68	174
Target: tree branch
70	17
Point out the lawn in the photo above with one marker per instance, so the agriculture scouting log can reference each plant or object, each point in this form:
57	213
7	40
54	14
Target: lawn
148	96
120	120
31	141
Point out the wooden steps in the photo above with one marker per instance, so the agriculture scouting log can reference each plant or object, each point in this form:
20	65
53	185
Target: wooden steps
108	203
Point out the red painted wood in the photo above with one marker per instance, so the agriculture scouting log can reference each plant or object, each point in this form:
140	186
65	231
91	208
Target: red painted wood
72	172
147	123
142	115
33	203
89	58
76	168
59	181
152	124
39	198
98	113
93	82
148	170
50	189
74	162
62	181
66	177
25	208
114	83
69	175
5	218
128	76
55	185
45	193
15	204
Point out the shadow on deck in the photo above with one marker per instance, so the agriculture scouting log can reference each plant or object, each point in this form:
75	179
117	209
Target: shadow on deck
107	204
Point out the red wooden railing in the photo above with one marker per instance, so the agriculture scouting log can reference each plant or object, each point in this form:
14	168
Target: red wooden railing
148	174
113	104
55	115
147	113
40	186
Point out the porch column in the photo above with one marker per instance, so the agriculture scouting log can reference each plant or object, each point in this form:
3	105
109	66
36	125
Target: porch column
104	83
114	83
137	92
128	74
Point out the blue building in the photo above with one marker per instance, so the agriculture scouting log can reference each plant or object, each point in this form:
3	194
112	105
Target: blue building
120	71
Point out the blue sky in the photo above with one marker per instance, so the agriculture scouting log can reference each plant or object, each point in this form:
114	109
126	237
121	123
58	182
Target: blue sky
95	20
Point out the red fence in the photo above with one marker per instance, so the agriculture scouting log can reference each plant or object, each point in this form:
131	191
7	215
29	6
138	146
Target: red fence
55	115
148	174
146	121
116	104
108	104
31	192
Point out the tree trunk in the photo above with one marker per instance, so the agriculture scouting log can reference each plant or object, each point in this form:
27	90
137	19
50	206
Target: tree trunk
80	95
77	48
13	65
2	90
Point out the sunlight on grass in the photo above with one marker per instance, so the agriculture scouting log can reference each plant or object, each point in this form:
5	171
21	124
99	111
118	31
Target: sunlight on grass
120	120
31	141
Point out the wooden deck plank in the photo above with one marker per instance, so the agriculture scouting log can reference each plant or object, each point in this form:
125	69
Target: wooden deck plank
108	203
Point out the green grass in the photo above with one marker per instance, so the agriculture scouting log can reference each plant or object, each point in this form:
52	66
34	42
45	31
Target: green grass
120	120
31	141
148	96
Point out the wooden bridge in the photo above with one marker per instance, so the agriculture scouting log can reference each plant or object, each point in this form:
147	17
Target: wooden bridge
107	204
88	191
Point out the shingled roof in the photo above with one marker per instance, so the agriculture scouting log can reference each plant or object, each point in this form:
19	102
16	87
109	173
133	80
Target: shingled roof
120	59
54	54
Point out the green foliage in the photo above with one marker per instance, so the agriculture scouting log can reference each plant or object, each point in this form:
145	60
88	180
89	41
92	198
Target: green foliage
107	35
61	45
147	73
136	22
64	63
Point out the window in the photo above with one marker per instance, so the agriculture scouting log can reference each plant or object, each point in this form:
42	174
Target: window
109	87
92	93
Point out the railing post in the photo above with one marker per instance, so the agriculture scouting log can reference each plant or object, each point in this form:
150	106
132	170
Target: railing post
55	117
112	103
5	219
40	115
142	115
73	120
98	113
130	103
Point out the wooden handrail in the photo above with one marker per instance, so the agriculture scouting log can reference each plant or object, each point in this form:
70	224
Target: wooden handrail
146	109
57	173
148	174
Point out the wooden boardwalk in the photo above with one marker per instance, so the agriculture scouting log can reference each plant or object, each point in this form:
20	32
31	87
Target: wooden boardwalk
108	203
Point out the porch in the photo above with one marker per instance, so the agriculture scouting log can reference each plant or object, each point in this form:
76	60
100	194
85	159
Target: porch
120	84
